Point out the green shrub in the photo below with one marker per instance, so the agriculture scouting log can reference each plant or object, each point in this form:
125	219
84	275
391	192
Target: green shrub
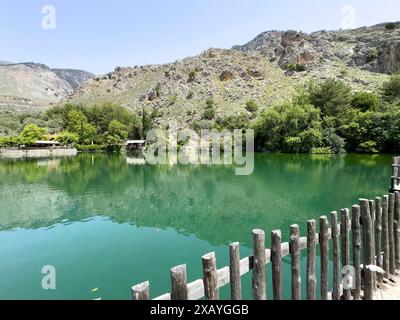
368	147
365	101
292	144
173	99
233	122
8	142
209	113
321	150
391	26
190	95
192	75
251	106
31	133
372	55
67	138
296	67
332	96
90	148
391	89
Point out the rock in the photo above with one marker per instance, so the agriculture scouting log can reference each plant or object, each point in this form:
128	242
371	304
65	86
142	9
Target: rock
226	75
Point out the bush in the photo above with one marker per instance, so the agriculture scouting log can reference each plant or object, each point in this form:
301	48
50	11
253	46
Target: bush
391	89
372	55
233	122
333	141
209	112
30	134
296	67
365	101
192	75
292	144
289	128
8	142
90	148
321	150
251	106
332	96
68	138
391	26
367	147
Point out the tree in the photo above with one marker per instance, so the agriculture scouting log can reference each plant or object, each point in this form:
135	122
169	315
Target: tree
289	128
68	138
391	89
365	101
331	96
209	111
78	124
117	133
30	134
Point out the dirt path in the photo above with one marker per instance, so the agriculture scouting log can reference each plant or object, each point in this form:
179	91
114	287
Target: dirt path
390	290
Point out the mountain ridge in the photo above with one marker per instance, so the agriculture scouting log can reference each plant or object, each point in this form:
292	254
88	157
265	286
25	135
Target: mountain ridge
265	70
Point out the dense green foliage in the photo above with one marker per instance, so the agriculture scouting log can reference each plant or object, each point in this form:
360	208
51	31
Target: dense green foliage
327	117
67	138
324	117
209	111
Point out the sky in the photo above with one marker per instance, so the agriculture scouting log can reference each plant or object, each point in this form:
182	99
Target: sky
98	35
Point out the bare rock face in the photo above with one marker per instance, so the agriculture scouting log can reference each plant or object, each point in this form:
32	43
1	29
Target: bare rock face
375	48
74	77
226	75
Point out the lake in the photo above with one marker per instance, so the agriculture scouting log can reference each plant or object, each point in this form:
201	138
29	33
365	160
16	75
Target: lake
106	222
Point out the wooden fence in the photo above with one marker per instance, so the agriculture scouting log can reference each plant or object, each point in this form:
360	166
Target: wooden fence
370	233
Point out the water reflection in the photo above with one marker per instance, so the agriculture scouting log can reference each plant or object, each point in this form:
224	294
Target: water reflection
210	202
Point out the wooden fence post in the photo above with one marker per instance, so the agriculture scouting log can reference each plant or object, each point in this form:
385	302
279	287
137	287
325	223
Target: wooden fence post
311	277
210	277
355	224
294	247
397	229
392	261
385	236
141	291
378	236
395	170
336	256
345	238
234	271
276	262
373	221
179	283
258	276
367	244
324	251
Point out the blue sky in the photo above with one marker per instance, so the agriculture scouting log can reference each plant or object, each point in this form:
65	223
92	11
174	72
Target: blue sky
97	35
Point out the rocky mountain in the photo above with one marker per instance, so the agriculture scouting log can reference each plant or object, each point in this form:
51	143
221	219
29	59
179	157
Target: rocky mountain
74	77
26	86
375	48
266	70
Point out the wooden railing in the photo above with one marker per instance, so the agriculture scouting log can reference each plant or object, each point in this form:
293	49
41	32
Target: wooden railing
370	231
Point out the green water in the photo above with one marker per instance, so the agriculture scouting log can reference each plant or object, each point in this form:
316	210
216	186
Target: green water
105	224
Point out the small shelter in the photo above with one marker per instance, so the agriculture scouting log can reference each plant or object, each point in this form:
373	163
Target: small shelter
46	144
135	144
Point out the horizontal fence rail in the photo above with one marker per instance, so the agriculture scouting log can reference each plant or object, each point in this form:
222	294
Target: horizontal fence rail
364	240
